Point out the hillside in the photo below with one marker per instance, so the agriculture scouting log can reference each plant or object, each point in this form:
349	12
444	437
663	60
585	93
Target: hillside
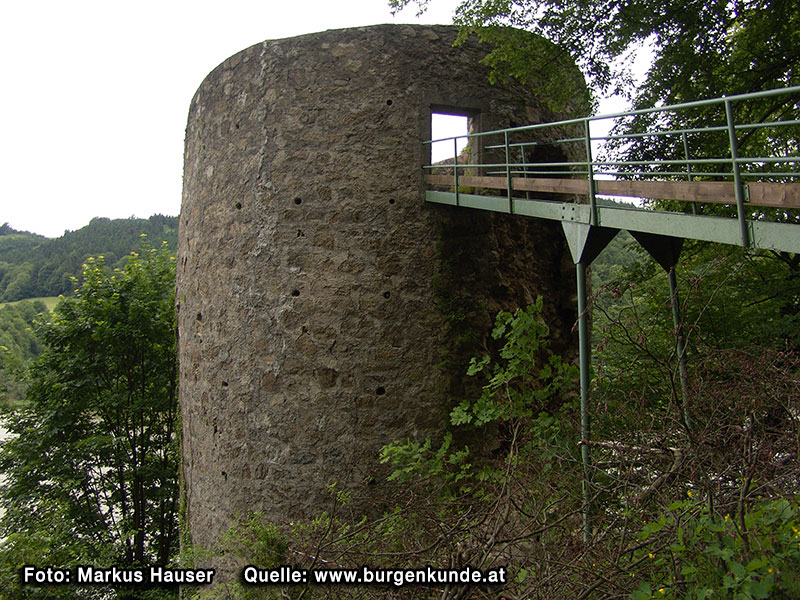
18	345
33	266
34	269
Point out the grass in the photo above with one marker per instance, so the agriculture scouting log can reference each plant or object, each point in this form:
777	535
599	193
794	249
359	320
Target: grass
49	301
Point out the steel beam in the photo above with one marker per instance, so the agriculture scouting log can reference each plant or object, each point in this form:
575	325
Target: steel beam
767	235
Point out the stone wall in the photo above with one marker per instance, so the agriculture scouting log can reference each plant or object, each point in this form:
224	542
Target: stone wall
317	291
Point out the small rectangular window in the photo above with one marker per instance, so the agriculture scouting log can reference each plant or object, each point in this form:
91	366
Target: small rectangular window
448	125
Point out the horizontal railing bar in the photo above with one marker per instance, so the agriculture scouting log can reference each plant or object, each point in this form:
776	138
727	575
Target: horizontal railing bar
641	111
768	124
768	159
632	163
643	134
694	174
765	174
530	167
526	144
465	166
710	129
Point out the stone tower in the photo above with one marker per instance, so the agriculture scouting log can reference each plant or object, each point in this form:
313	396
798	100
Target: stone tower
324	309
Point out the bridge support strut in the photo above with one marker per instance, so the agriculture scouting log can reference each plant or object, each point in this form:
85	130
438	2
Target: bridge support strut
585	244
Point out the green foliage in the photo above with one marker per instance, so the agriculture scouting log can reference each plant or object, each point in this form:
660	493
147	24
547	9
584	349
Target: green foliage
621	252
517	55
735	533
252	540
412	459
725	46
514	483
518	387
704	556
91	462
32	265
256	539
524	383
730	299
42	547
18	345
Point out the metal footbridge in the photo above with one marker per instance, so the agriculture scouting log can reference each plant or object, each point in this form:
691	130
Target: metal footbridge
548	171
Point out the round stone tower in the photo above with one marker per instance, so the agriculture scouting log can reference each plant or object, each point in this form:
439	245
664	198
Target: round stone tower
324	308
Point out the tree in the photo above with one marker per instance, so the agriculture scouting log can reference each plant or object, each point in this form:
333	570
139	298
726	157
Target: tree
92	463
701	48
18	345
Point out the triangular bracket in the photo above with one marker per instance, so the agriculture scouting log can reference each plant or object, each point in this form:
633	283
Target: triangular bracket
586	242
665	250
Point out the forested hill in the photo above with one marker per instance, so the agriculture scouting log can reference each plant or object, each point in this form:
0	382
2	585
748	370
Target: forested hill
32	265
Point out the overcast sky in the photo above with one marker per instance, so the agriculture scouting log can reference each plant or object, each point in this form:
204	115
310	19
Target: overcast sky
96	94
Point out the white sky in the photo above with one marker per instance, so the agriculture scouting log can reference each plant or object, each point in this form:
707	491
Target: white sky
96	94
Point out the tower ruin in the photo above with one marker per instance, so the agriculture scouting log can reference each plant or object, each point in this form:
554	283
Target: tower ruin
324	309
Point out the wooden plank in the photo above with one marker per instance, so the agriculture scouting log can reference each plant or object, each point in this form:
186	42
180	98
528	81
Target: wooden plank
554	185
439	179
688	191
784	195
492	183
780	195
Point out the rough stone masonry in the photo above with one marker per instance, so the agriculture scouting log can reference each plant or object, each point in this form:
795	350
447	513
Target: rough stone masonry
324	308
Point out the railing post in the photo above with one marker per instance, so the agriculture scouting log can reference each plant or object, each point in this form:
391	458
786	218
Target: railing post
590	170
688	166
455	167
508	174
737	176
524	168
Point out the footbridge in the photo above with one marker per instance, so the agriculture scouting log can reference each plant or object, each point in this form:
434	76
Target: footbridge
745	191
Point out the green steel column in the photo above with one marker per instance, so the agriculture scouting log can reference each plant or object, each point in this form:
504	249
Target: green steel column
680	347
738	186
585	358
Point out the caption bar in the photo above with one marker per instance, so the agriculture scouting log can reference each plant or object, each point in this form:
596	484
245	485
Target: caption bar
251	575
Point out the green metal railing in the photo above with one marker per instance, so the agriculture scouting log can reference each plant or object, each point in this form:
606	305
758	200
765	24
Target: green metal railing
670	130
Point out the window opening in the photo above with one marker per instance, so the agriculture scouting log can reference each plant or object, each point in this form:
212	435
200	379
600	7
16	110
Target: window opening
447	126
